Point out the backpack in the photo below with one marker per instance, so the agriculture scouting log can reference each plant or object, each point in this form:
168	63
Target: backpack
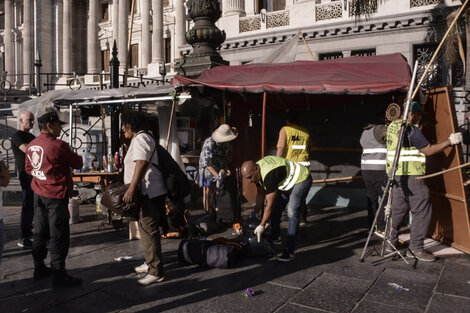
175	179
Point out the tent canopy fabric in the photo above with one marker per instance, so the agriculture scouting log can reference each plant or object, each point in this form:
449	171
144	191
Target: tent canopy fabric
353	75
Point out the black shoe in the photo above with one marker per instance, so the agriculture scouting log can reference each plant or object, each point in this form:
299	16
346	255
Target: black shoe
421	255
62	279
41	272
286	257
25	243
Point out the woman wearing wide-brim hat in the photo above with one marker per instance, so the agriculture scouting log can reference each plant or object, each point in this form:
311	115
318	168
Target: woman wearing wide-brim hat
214	157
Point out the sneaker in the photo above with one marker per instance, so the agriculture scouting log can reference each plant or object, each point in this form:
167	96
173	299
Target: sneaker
286	257
41	272
422	255
150	279
277	241
142	269
25	243
62	279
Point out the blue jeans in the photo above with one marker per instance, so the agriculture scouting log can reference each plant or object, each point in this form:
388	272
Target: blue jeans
295	199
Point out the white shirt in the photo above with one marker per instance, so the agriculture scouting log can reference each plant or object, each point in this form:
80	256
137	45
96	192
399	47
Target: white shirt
141	148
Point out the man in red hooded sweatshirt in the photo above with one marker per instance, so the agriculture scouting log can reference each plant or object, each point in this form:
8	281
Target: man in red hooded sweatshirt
49	160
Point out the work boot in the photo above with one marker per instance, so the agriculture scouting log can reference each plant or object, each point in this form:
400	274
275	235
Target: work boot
62	279
422	255
41	271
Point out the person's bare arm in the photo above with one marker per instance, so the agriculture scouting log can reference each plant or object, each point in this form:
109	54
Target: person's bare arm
270	200
436	148
4	174
140	167
281	143
23	147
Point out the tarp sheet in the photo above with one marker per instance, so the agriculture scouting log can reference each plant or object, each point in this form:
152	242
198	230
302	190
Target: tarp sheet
352	75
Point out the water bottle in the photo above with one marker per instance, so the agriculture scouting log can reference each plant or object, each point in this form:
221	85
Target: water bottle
110	163
87	160
99	206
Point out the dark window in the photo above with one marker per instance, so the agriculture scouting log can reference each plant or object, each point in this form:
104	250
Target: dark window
330	56
2	21
364	53
134	56
167	49
105	13
271	5
423	54
105	60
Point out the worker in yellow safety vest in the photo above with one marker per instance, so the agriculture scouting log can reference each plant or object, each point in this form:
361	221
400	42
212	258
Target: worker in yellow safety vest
408	192
280	182
294	144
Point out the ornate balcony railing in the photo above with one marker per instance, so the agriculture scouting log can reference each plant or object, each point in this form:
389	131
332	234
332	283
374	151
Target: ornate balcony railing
420	3
329	11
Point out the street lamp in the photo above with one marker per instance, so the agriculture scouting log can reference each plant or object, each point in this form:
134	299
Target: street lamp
163	72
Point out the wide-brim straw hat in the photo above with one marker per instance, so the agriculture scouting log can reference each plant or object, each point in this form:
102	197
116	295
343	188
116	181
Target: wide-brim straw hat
224	133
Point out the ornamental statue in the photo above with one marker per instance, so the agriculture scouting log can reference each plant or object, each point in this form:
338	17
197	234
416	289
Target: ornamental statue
204	37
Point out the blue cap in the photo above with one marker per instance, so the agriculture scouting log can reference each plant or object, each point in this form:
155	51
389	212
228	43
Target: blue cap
414	107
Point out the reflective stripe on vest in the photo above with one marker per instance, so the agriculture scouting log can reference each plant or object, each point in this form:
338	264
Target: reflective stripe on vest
411	161
374	154
296	142
296	172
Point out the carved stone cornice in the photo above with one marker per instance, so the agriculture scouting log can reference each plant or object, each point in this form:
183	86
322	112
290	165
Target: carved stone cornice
341	29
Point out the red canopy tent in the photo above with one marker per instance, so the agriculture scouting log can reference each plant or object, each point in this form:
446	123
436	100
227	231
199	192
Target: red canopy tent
358	75
353	75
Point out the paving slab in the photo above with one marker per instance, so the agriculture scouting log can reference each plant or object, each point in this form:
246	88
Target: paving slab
420	287
333	293
446	303
455	280
290	307
373	307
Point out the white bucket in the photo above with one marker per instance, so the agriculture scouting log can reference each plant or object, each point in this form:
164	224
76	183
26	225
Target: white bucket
74	210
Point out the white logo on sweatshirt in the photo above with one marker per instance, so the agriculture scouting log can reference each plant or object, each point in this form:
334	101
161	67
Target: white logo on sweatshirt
35	156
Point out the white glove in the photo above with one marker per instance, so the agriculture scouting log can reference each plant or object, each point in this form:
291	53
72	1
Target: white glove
455	138
258	231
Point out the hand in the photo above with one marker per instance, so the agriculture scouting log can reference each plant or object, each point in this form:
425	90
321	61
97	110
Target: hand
455	138
258	231
128	195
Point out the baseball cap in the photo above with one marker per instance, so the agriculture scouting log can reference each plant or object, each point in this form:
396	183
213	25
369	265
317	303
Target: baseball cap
414	107
50	117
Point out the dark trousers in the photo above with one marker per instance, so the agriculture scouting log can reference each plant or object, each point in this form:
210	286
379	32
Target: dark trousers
411	194
51	223
375	181
151	218
27	208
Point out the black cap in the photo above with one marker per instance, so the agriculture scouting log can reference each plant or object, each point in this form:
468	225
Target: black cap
50	117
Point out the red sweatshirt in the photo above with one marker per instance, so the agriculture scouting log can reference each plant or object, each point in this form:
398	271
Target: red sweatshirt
49	161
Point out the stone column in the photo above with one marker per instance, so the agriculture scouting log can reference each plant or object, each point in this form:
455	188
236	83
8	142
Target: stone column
180	26
27	41
146	46
233	7
67	36
8	40
123	32
115	20
157	31
92	37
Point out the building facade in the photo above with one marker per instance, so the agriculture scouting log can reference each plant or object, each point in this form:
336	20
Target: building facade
77	36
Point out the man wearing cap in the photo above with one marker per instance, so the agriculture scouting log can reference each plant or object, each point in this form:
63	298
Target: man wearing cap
293	144
374	153
280	182
409	192
19	141
49	160
214	157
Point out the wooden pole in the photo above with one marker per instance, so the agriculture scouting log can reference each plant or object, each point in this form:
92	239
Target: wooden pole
129	41
444	171
173	105
263	125
439	48
306	44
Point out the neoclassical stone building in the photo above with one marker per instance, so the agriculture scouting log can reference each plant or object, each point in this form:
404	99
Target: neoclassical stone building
77	36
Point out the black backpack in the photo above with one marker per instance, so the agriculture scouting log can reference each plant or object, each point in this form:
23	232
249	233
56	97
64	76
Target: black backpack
176	180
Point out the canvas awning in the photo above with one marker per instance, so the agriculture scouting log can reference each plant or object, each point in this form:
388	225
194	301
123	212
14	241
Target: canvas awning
353	75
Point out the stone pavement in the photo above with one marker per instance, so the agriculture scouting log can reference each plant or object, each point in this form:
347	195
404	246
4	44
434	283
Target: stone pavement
325	276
